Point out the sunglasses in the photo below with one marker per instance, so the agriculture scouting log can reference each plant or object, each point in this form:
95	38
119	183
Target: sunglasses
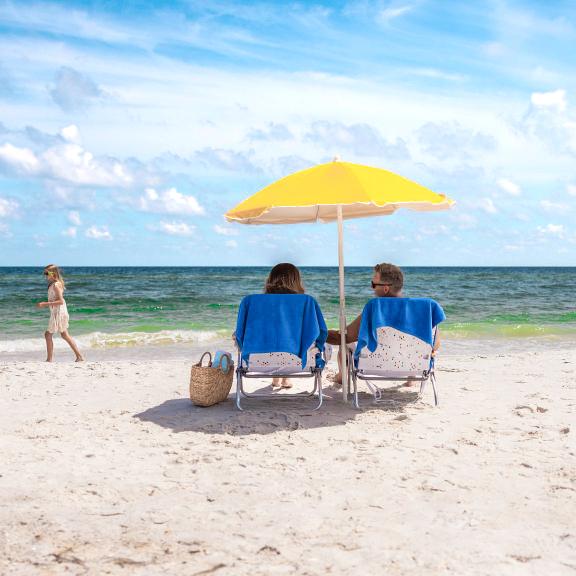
374	284
48	273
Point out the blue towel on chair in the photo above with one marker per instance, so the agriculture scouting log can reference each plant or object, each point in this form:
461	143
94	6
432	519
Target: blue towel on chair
280	323
415	316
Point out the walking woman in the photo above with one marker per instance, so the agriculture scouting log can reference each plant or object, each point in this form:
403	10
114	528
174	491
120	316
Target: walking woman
59	317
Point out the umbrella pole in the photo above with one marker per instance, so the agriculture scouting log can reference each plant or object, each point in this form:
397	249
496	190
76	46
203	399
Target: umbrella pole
343	365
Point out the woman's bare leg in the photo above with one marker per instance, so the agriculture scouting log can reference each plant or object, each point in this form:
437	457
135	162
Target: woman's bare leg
49	346
72	344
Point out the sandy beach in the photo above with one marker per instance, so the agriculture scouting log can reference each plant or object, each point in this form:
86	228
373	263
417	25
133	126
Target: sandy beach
107	468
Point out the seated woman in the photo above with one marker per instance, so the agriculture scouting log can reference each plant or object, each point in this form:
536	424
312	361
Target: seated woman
284	278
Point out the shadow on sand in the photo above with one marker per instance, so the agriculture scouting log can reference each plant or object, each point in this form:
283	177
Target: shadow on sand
266	416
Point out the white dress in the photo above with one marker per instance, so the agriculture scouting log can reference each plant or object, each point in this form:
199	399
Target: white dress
58	314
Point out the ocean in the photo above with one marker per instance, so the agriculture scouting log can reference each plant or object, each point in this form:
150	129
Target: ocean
151	309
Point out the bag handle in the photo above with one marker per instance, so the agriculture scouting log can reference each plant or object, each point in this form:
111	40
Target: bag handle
228	359
202	358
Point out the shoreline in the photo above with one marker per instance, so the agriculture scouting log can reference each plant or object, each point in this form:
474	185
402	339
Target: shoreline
191	350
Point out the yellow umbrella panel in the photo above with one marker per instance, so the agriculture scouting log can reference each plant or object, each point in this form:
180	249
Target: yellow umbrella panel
314	195
336	191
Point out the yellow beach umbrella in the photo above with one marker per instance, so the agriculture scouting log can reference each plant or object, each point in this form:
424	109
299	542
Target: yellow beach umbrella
336	191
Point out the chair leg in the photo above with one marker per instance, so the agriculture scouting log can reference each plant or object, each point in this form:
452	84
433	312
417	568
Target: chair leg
317	386
352	378
433	381
238	390
318	383
422	386
376	392
355	383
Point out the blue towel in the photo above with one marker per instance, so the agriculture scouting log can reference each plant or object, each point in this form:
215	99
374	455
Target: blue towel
414	316
280	323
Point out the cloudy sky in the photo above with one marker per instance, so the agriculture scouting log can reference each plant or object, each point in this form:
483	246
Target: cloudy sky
128	128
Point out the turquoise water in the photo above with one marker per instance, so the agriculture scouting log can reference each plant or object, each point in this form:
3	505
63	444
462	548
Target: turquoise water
116	307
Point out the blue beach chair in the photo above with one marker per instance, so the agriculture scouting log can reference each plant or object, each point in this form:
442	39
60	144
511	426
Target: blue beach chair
280	335
395	343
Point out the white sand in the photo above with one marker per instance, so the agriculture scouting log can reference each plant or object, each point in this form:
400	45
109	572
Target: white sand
106	468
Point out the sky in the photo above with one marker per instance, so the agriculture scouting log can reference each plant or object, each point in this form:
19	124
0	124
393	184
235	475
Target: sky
128	128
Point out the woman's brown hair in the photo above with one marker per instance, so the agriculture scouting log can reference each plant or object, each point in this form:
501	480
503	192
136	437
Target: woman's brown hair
284	278
56	274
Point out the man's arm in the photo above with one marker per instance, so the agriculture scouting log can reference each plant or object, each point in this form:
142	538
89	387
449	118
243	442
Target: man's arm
352	331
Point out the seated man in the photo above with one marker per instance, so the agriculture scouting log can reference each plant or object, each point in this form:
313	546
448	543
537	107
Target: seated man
387	282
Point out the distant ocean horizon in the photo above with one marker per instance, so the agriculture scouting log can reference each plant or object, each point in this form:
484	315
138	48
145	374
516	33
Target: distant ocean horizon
119	307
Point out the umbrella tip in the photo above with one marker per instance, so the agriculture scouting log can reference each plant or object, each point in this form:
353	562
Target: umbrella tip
337	158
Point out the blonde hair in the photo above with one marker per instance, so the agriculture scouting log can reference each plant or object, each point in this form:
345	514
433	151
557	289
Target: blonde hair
284	276
56	274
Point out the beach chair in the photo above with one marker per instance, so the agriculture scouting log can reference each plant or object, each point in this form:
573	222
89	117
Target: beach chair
395	343
280	335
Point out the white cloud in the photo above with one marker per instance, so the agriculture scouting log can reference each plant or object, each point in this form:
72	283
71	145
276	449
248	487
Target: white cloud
361	139
464	220
74	218
73	91
169	202
555	99
552	230
20	160
452	140
272	132
509	187
549	206
550	120
231	244
71	232
225	230
436	74
571	189
71	163
487	204
284	165
176	228
65	162
435	230
388	14
98	233
225	159
8	208
71	134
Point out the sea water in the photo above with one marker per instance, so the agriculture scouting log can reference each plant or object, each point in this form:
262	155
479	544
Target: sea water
148	310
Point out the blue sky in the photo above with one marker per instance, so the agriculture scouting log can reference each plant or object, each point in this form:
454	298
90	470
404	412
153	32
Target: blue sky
128	128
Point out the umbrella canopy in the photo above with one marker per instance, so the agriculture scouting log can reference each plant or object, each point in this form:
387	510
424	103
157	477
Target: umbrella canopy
313	195
336	191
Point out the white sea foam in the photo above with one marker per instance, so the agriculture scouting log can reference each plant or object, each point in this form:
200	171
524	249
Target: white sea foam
103	340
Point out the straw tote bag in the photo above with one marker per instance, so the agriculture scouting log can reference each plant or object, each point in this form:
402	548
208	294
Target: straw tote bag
210	385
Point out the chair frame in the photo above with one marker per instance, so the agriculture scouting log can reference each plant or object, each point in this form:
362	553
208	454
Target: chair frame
244	372
376	391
